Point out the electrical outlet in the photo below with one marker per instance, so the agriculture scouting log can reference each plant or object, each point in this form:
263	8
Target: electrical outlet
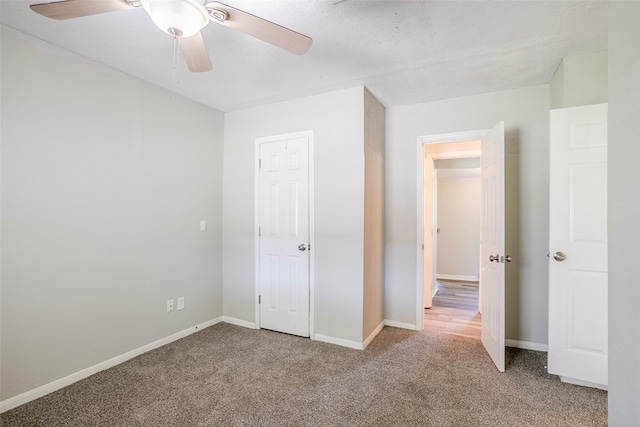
181	303
203	225
169	306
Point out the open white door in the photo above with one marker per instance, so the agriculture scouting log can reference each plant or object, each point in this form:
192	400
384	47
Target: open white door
492	247
284	236
578	271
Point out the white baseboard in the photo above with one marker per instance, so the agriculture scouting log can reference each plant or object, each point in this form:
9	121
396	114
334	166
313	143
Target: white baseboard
239	322
38	392
348	343
339	341
401	325
458	277
526	345
372	335
583	383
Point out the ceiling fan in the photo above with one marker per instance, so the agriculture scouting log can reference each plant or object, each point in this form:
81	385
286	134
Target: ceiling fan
183	19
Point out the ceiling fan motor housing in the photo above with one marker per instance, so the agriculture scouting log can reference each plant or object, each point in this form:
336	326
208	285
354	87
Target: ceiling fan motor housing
182	18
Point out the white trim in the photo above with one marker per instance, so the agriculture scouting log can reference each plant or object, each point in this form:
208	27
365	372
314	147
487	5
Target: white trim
442	138
240	322
339	341
583	383
38	392
372	335
401	325
419	239
312	233
526	345
256	234
420	142
459	277
309	134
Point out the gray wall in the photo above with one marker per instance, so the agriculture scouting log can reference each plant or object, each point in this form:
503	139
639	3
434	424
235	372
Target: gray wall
526	115
580	80
459	224
337	119
104	182
624	214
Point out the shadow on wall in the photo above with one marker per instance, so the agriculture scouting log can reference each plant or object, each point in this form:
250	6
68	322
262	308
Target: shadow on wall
513	198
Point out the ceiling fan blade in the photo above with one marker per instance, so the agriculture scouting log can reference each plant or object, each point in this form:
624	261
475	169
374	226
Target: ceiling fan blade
195	53
262	29
68	9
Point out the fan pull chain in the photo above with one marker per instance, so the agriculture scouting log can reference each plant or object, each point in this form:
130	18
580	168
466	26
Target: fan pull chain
175	64
175	43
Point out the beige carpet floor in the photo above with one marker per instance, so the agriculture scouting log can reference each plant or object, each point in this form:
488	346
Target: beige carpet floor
231	376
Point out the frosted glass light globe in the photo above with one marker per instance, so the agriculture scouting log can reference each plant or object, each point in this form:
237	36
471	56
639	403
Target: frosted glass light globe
177	17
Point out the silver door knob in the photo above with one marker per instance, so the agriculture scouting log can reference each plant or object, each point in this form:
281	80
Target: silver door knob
508	258
302	247
495	258
559	256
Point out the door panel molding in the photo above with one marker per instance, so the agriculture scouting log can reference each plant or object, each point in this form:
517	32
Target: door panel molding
291	162
492	237
578	265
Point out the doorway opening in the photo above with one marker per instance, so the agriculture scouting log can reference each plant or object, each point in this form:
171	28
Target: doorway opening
487	144
451	228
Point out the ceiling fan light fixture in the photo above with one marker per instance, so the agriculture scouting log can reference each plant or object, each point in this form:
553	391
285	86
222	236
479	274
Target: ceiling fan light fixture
177	17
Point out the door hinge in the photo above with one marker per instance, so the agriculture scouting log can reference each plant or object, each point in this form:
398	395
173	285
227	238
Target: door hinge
259	299
259	231
259	163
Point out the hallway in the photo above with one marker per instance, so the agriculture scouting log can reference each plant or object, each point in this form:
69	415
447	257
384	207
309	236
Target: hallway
455	309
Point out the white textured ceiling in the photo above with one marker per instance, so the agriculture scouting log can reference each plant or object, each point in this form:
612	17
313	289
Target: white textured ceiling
405	52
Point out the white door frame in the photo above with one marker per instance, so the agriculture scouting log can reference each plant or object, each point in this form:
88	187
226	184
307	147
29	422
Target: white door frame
421	142
256	189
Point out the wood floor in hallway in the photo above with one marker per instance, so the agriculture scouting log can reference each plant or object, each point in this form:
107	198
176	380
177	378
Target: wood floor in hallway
454	310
